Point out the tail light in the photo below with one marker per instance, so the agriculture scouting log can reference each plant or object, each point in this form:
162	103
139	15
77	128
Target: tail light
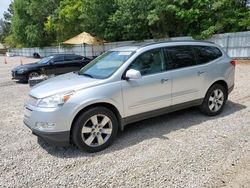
233	62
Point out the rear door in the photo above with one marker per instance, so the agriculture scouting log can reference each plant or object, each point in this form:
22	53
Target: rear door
153	90
188	77
208	59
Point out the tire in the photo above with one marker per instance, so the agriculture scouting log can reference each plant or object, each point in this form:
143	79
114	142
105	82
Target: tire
33	74
214	100
95	129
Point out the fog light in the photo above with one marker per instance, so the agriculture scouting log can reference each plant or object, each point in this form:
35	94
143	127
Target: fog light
44	125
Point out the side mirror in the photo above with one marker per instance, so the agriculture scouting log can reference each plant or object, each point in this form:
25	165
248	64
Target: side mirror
133	74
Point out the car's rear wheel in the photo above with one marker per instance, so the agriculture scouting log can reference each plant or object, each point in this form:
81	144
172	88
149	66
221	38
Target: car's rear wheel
95	129
215	100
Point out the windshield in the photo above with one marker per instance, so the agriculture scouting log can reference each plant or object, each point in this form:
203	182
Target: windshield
106	64
45	60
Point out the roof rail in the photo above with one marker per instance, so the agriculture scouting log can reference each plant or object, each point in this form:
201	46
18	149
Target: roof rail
170	41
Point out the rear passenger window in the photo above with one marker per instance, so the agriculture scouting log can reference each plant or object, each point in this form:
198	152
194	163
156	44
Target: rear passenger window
180	56
206	54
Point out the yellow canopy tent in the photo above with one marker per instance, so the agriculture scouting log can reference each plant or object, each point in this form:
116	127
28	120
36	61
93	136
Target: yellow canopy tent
84	38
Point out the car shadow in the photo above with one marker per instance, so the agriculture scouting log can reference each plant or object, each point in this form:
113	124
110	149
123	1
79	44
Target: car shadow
158	127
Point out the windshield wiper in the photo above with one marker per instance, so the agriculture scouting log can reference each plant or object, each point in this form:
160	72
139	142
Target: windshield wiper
87	75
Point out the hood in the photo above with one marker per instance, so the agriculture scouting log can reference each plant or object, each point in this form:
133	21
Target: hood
64	83
30	65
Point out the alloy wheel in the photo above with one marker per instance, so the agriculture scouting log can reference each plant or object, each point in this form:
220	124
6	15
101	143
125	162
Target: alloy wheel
97	130
216	100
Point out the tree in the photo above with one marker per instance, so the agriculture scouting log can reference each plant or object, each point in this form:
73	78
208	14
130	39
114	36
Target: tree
28	21
75	16
66	21
40	24
95	17
129	21
164	20
5	24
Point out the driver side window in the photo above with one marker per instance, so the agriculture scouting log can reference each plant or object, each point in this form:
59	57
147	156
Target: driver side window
150	62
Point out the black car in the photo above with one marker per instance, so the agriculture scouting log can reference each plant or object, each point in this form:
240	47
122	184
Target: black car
54	64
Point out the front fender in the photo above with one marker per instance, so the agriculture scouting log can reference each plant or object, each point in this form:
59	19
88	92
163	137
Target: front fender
110	95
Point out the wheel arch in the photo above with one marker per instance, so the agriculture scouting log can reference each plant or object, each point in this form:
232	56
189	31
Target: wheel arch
31	71
100	104
220	82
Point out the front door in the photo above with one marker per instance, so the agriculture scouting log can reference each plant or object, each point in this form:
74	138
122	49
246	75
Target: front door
56	65
153	90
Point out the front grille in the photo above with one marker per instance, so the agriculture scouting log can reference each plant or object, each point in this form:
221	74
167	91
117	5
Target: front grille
32	101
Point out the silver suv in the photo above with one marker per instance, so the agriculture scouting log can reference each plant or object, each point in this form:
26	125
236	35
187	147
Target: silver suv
129	84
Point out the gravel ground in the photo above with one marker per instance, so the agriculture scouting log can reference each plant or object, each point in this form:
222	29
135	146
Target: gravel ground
181	149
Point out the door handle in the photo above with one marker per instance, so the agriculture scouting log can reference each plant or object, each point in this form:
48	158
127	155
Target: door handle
200	73
164	81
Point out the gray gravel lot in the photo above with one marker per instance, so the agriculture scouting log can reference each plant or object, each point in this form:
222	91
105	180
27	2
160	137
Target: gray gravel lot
181	149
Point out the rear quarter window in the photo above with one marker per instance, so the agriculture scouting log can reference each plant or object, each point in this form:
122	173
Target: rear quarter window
206	54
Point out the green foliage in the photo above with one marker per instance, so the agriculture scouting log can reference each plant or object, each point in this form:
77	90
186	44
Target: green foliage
28	22
66	21
10	42
129	21
41	23
5	24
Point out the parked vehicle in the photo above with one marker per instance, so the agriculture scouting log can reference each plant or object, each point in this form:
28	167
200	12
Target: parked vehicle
54	64
126	85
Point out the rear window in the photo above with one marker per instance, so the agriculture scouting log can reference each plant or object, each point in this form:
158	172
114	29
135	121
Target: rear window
206	54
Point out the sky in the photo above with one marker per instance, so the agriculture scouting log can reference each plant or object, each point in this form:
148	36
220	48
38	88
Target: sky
4	4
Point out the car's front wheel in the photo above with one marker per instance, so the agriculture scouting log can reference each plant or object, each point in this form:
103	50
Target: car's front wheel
95	129
33	74
214	100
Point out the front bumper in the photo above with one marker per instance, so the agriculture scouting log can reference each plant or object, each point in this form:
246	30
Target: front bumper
58	135
16	76
57	138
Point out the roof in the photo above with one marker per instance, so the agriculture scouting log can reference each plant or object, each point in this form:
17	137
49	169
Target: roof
62	54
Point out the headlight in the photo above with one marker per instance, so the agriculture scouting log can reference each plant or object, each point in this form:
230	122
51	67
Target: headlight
55	100
20	71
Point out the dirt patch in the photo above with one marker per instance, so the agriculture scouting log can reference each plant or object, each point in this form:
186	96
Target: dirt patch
240	61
